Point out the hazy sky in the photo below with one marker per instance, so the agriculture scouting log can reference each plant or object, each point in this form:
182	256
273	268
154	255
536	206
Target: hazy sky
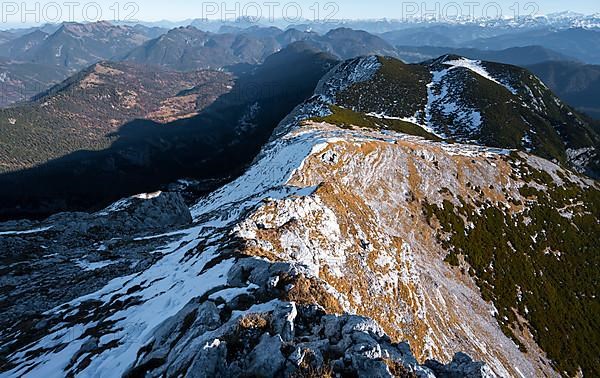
153	10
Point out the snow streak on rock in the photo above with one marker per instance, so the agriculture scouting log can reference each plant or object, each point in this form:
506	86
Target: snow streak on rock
477	67
346	74
445	114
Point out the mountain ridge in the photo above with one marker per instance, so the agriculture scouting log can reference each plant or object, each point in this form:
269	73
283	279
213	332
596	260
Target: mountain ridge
204	49
153	153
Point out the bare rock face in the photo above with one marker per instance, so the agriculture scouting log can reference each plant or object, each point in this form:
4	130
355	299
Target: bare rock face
129	216
461	366
144	212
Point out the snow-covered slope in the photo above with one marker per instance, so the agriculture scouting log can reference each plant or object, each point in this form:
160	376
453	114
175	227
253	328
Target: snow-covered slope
105	333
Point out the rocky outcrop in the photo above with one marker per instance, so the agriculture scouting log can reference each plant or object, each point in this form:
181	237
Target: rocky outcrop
45	264
129	216
212	337
461	366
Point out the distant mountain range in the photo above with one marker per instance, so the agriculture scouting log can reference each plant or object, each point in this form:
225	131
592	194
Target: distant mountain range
75	46
33	61
581	44
561	20
440	34
188	47
36	60
518	56
576	43
556	21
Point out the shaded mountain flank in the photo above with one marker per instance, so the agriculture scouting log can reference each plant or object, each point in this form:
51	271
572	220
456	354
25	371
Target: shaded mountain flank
144	155
82	112
576	83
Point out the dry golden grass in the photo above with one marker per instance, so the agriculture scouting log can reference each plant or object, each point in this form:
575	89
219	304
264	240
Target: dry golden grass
254	321
309	291
323	372
432	321
398	370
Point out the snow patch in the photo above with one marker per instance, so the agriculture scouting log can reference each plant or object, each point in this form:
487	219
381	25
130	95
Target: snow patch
25	232
466	120
475	66
147	196
92	266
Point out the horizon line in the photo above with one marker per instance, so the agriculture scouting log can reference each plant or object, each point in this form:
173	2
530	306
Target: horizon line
4	26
